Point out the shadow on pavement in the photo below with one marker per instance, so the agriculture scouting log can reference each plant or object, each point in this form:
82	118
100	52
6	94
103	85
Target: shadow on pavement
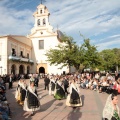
59	104
42	96
47	105
75	114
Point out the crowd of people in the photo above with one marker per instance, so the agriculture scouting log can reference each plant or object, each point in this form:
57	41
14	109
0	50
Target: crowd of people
26	94
5	112
103	84
21	94
108	83
15	77
64	87
60	87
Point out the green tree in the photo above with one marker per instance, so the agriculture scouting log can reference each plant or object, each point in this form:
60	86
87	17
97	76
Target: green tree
63	54
90	55
70	54
108	59
117	58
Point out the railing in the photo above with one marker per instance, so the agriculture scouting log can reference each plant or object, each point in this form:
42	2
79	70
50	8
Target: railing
20	59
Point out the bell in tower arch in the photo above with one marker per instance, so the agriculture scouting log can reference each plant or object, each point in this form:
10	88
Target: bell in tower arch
38	22
44	22
41	11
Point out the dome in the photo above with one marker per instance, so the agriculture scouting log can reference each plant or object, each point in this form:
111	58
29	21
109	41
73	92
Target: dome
59	35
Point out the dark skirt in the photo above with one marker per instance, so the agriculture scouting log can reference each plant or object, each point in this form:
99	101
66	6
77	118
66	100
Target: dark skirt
104	88
23	94
74	98
113	118
60	94
32	101
111	91
52	86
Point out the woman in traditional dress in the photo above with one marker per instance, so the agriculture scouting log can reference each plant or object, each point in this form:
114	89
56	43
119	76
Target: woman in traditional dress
111	110
21	91
31	102
59	91
73	99
52	86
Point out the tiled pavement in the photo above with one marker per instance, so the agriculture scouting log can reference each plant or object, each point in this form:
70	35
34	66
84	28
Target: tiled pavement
51	109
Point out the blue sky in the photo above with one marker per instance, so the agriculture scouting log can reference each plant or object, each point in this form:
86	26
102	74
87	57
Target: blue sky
98	20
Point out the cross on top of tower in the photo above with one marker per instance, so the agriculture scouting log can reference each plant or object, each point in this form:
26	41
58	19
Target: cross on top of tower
42	1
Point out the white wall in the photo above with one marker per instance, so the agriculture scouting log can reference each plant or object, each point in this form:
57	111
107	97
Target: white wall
39	55
55	69
3	53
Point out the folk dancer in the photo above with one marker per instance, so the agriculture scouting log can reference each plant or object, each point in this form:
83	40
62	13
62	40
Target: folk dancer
21	91
59	91
31	102
74	99
52	86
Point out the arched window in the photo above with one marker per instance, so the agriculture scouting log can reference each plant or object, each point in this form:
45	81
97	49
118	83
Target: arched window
44	22
38	22
41	11
21	69
13	69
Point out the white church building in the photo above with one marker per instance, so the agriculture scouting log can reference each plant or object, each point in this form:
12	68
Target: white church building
26	54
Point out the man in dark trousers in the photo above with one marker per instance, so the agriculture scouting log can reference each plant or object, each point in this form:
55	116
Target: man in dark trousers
47	81
66	84
36	80
10	80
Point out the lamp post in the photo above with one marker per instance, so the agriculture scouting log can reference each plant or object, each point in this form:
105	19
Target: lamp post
1	69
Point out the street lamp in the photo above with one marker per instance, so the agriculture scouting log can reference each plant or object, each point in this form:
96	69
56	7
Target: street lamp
1	69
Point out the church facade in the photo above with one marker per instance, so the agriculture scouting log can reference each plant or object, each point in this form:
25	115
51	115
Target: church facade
26	54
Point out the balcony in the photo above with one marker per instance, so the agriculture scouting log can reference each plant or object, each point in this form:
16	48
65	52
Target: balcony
14	58
31	61
20	59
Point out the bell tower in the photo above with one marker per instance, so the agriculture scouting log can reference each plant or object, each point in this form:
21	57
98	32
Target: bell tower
41	16
42	24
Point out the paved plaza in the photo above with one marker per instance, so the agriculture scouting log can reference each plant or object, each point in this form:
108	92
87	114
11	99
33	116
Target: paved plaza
51	109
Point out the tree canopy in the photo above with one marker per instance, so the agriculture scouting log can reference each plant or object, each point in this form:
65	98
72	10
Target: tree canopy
110	59
90	55
69	53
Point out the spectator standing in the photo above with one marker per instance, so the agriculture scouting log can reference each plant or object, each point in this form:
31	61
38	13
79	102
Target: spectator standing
47	81
10	80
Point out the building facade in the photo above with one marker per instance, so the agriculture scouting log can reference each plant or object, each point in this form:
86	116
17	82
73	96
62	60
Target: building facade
21	54
16	52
